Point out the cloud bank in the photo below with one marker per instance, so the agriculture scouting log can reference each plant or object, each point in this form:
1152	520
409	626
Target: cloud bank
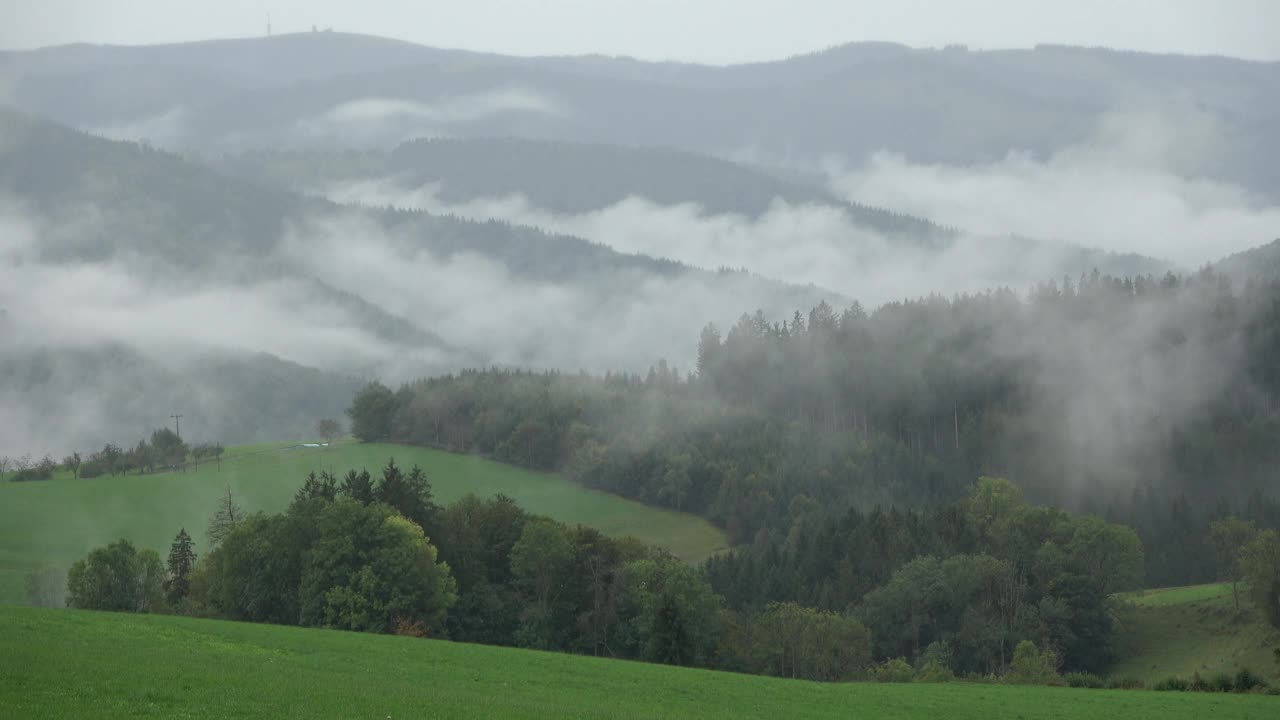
1134	185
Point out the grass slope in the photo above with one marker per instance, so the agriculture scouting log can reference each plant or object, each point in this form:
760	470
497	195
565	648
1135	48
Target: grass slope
57	522
1180	631
62	663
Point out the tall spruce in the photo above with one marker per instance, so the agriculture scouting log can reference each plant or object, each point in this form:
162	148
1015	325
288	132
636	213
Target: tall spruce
182	558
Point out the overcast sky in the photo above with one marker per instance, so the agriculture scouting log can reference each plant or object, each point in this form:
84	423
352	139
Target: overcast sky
714	31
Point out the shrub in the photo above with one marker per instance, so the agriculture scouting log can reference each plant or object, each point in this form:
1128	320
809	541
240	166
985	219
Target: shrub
42	471
1030	666
1172	684
1084	680
1246	680
1222	682
934	671
896	670
1198	683
1125	683
934	664
408	627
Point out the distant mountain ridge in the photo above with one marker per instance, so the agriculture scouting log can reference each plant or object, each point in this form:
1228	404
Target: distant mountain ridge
949	105
566	177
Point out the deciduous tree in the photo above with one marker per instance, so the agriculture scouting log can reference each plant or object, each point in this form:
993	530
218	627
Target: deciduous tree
117	577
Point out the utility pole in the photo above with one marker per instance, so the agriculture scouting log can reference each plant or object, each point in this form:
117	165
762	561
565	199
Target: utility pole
177	424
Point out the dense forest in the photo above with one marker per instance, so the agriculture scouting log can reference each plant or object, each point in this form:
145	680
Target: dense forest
955	591
1147	401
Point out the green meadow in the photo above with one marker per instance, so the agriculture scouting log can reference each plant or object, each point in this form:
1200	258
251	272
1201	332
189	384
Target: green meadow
1185	630
67	664
58	521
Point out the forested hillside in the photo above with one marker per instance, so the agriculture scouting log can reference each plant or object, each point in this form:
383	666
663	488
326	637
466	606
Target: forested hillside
1147	400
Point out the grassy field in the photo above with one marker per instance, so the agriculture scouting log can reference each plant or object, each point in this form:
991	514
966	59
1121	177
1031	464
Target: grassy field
1180	631
57	522
68	664
1164	597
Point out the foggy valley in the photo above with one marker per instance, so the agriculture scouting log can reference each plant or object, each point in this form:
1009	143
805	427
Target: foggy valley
938	355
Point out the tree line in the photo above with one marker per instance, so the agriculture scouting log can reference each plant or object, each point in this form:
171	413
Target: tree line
164	450
1148	401
988	587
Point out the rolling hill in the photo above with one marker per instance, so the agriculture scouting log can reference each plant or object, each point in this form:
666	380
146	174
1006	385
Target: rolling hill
1187	630
136	665
56	522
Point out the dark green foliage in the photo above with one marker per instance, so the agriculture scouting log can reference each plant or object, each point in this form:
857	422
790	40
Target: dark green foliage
1222	682
117	577
1260	567
893	670
1229	536
674	616
1246	680
1172	684
371	412
541	567
181	561
358	486
255	572
1124	683
323	487
1032	666
476	538
1084	680
326	563
788	640
409	495
370	568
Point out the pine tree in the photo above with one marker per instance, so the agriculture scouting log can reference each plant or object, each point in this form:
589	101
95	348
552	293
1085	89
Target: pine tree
324	487
358	486
182	558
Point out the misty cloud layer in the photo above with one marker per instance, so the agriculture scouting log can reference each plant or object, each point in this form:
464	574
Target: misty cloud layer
485	312
809	243
363	122
1135	185
385	121
615	320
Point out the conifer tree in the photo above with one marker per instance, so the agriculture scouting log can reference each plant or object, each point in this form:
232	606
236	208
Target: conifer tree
182	558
